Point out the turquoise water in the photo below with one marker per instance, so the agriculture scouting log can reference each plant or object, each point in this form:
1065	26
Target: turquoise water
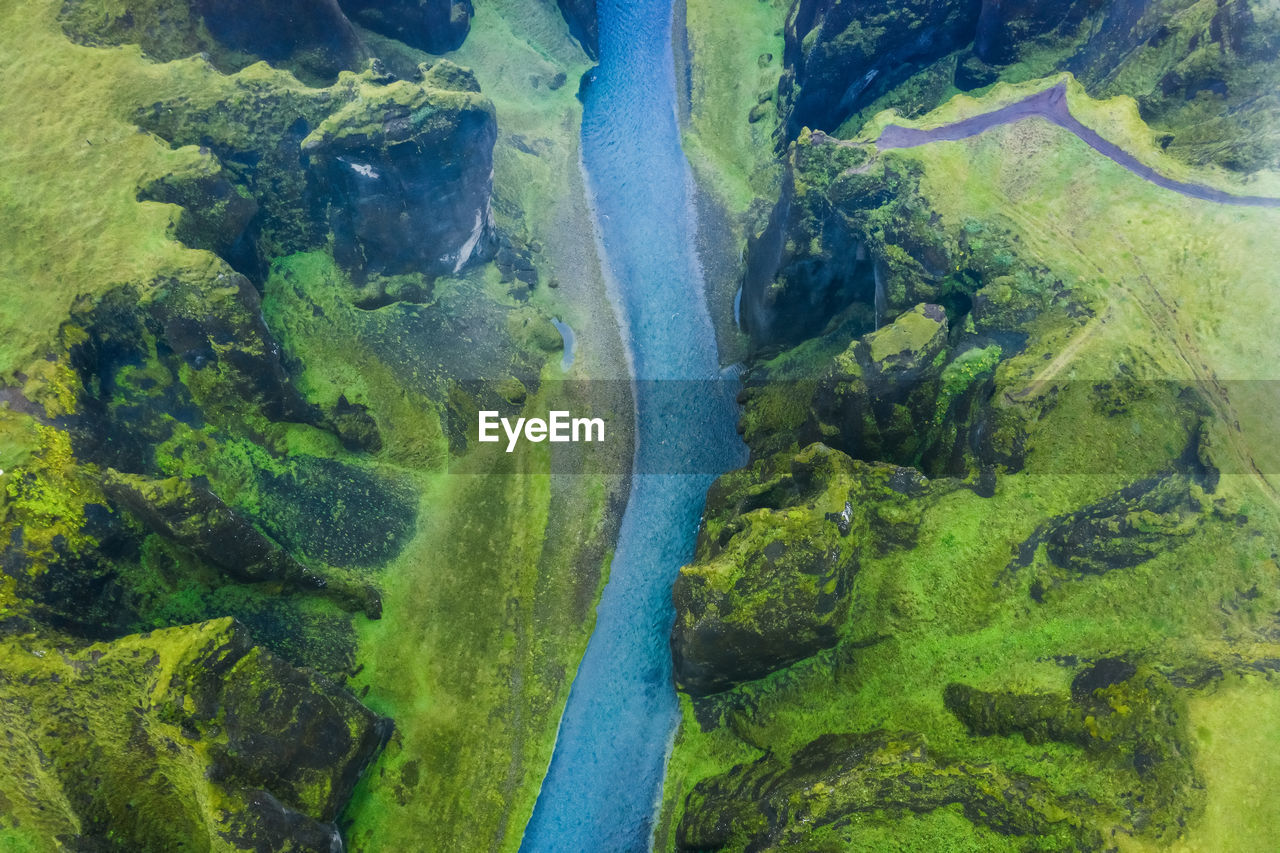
605	778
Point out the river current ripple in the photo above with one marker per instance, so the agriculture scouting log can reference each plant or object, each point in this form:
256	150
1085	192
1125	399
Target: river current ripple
605	779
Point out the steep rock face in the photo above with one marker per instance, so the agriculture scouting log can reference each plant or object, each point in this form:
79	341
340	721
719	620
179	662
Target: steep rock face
583	24
408	173
777	551
851	244
777	803
840	56
1202	71
399	173
312	37
902	394
436	26
789	290
180	737
1007	27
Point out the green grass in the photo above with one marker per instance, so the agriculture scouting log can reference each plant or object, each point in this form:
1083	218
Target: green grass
70	168
1238	739
1180	289
488	610
728	42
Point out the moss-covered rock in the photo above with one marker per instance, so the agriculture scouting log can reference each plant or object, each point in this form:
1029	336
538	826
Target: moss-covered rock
781	803
436	26
901	394
178	739
840	56
407	174
1127	717
397	174
778	548
195	518
1139	522
311	37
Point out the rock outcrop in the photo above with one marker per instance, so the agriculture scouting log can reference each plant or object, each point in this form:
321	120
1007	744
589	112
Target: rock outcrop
195	518
310	37
777	803
397	174
1125	715
173	739
436	26
902	394
841	56
407	173
778	548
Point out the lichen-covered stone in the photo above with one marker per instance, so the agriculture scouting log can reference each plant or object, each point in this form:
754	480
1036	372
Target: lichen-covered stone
778	548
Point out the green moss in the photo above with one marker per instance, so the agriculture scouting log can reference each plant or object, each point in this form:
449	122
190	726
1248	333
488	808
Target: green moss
91	711
1103	273
906	336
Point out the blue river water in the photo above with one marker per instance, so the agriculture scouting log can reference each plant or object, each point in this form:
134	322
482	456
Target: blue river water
605	778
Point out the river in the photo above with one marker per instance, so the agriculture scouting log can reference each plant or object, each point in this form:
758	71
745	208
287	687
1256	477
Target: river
605	778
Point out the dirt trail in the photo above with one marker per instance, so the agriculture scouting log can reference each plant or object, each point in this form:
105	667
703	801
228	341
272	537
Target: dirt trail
1051	104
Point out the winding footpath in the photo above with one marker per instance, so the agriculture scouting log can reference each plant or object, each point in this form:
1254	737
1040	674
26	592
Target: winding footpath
1051	105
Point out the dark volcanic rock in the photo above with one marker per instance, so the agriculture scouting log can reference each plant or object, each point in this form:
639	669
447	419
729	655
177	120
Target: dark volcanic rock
313	33
407	172
777	552
583	24
1006	27
436	26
